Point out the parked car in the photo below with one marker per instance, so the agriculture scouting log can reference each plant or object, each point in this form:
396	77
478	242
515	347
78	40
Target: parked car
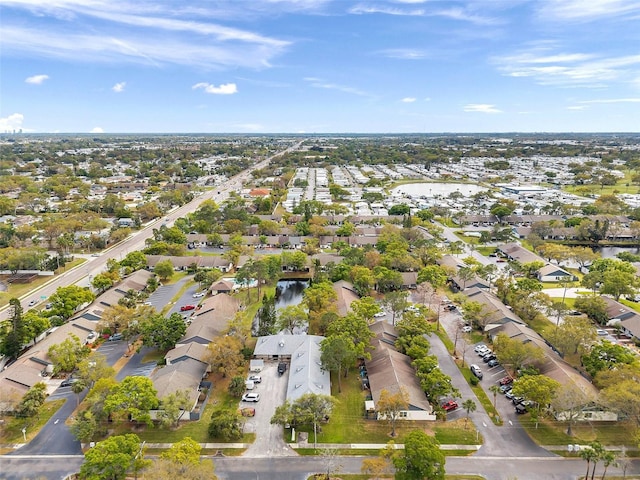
450	405
198	294
67	382
516	400
478	347
505	388
488	357
379	314
115	337
483	352
248	412
255	378
251	397
493	363
467	329
282	367
450	308
186	308
505	380
510	394
520	409
475	369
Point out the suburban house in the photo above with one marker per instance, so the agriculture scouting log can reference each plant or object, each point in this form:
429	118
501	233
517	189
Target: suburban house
222	286
389	370
184	263
494	313
456	282
346	293
553	273
627	318
211	319
306	374
548	273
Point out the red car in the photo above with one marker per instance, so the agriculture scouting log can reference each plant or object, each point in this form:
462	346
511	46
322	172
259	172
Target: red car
186	308
450	405
505	380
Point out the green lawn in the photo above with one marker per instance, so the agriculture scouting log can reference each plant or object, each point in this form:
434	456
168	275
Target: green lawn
550	432
11	431
348	424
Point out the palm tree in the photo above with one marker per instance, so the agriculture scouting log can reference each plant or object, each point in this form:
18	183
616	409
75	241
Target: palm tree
470	406
589	455
608	458
494	389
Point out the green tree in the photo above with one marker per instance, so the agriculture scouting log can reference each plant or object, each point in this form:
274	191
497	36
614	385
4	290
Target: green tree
421	458
225	425
291	318
396	302
164	269
355	329
182	461
434	275
308	409
338	353
112	458
391	405
163	333
606	356
135	260
66	300
537	388
85	427
236	386
102	282
515	353
225	355
575	333
594	307
11	344
32	400
365	308
495	389
469	406
173	406
66	355
133	398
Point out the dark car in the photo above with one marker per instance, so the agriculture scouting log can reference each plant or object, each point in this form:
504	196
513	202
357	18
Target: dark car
520	408
450	405
451	308
505	388
67	382
476	371
488	357
282	367
493	363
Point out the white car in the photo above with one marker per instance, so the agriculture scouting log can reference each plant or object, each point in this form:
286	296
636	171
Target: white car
466	329
251	397
380	314
198	294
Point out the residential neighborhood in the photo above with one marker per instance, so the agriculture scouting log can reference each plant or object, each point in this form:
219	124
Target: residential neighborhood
273	310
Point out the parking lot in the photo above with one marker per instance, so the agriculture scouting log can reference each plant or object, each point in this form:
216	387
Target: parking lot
272	390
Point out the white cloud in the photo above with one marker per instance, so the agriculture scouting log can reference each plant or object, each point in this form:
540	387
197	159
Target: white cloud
223	89
36	79
569	69
319	83
408	99
119	87
587	10
12	122
407	9
96	130
481	108
577	107
613	100
404	53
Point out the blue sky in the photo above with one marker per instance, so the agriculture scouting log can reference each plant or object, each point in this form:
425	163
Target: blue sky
319	66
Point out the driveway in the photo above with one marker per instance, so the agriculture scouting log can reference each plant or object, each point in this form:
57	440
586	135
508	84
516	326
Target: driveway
272	390
510	438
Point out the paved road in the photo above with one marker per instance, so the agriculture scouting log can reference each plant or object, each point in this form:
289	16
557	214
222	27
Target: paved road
299	468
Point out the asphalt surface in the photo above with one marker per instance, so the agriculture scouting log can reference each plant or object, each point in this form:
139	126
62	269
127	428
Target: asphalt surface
299	468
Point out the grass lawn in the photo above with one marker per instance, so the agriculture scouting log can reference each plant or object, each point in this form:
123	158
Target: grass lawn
486	251
154	356
480	393
550	432
11	431
348	424
17	290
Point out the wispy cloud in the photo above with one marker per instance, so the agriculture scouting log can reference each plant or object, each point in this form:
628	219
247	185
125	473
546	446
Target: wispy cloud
97	130
481	108
12	122
612	100
119	87
404	53
148	33
587	10
319	83
577	107
223	89
432	9
569	69
36	79
408	99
